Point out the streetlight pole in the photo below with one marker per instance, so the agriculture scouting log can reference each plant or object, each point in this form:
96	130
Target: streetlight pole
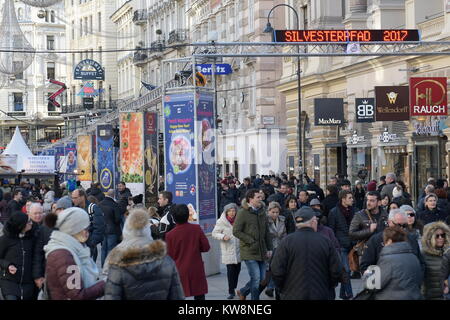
269	29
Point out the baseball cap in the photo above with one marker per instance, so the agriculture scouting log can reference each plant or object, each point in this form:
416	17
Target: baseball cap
304	214
314	202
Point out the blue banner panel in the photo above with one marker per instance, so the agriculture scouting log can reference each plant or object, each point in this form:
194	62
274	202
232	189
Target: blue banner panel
206	162
116	166
221	68
179	148
59	158
105	157
70	153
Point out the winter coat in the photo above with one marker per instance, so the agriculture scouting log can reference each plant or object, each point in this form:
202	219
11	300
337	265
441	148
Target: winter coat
329	234
375	245
340	227
4	215
360	225
402	200
143	273
401	275
268	188
252	229
17	251
387	190
112	214
277	230
58	262
226	197
185	243
12	207
329	203
123	197
49	198
230	249
433	285
42	238
306	266
96	192
289	220
97	226
429	216
166	216
278	197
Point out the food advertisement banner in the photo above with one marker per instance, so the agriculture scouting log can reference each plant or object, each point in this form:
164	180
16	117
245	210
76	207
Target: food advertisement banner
105	157
132	151
84	158
180	168
206	162
151	158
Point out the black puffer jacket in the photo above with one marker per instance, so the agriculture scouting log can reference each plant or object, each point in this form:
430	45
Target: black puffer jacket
360	225
143	273
337	222
112	212
429	216
17	251
306	266
329	203
433	285
289	220
400	272
97	192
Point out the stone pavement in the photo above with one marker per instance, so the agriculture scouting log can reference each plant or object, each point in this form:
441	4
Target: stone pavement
218	285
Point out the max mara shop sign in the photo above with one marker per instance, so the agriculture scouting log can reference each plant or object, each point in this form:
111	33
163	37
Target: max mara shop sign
328	111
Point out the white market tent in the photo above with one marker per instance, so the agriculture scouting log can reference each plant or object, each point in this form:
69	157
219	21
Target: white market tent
18	146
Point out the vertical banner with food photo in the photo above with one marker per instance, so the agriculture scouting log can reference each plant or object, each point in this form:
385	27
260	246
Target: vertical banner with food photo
206	166
105	157
84	158
132	151
180	169
151	158
69	164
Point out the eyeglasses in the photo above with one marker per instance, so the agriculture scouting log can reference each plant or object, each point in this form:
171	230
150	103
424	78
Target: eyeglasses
440	235
404	226
412	215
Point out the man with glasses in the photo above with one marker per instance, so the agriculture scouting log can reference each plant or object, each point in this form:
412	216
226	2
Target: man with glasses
397	217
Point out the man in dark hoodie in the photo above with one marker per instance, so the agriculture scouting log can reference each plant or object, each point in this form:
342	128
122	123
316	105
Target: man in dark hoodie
123	195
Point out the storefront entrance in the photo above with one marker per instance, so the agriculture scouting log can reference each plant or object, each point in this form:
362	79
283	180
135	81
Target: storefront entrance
336	160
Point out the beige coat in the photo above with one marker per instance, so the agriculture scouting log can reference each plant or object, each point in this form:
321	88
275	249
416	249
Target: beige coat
230	249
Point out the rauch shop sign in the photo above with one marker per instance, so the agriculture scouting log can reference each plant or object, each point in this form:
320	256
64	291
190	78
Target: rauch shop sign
428	96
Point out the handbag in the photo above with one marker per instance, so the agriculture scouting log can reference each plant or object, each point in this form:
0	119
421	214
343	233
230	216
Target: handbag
357	251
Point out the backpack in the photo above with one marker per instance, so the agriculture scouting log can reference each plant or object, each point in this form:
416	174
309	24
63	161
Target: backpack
90	211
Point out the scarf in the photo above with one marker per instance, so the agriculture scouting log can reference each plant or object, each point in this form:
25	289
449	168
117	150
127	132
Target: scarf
81	254
231	220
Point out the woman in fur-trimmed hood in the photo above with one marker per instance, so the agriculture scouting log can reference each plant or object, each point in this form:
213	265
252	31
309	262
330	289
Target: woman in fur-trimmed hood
436	253
139	267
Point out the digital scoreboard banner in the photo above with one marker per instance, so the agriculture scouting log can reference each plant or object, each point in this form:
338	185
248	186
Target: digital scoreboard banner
346	35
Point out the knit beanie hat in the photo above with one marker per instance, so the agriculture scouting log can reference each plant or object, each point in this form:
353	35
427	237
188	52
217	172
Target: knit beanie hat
230	206
64	203
372	186
72	221
16	223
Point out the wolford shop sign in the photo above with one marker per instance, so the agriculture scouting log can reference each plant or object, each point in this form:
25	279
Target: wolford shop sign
428	96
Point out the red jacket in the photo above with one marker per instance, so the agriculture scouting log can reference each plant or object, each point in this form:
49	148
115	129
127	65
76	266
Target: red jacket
185	243
56	270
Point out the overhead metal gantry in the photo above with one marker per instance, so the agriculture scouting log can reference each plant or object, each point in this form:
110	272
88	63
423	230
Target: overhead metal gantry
214	50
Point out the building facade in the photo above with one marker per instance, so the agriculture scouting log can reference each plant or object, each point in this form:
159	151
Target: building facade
92	35
251	112
24	96
415	149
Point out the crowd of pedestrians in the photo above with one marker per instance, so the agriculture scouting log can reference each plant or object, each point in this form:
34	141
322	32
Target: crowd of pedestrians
296	241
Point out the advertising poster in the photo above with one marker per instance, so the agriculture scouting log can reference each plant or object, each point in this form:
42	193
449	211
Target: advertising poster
206	166
39	164
132	151
151	158
84	158
59	157
179	148
69	163
105	157
8	163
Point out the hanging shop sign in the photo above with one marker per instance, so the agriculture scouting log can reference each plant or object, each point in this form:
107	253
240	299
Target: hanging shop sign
89	69
328	111
428	96
431	128
387	137
392	103
365	109
221	68
355	139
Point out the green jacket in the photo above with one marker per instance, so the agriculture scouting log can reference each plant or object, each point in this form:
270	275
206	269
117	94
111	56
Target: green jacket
252	229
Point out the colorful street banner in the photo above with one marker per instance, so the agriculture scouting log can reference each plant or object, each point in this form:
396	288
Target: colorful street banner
105	157
132	151
69	163
428	96
151	158
84	158
392	103
180	169
206	166
59	157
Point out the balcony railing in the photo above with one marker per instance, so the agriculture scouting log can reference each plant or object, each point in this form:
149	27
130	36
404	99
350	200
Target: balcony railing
103	106
140	57
158	45
177	36
140	16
